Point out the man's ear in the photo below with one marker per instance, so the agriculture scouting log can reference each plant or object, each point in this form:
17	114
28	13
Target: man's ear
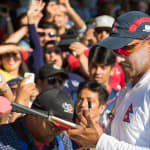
102	108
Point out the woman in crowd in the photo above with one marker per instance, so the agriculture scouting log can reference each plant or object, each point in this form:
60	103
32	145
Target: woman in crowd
12	64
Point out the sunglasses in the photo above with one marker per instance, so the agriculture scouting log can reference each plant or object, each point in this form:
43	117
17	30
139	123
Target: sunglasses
54	80
10	55
126	50
100	30
50	34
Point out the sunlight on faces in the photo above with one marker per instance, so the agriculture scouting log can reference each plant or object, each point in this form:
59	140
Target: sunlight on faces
60	18
100	73
100	34
46	35
136	58
11	61
82	103
54	57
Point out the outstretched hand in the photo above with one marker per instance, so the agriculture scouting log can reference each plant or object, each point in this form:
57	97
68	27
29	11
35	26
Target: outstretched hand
8	48
35	12
65	3
77	47
88	136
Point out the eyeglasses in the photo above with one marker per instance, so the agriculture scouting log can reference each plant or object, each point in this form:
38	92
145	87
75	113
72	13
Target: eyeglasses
50	34
126	50
54	80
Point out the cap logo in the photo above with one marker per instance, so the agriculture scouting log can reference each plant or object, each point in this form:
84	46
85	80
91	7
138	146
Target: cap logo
137	23
67	107
147	28
114	28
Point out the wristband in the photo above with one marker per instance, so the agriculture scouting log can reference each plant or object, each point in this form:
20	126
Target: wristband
4	91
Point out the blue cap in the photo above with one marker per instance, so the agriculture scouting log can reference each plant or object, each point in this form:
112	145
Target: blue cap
128	27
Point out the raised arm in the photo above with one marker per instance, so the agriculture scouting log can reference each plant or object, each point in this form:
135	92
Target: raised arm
17	36
79	23
37	55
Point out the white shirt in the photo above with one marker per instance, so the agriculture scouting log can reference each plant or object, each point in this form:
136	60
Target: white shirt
130	129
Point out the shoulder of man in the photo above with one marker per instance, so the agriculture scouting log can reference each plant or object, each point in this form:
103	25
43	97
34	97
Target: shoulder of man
8	138
66	141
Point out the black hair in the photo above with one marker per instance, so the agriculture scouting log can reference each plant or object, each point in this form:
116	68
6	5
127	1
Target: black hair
49	25
101	55
94	86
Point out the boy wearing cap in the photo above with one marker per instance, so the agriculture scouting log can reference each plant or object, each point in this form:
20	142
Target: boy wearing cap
130	128
103	25
33	132
51	76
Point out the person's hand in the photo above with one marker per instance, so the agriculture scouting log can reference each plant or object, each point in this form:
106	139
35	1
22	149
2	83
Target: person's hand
25	91
81	120
34	13
88	136
89	39
51	9
65	3
78	48
8	48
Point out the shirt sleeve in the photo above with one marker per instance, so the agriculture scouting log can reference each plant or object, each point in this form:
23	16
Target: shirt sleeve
107	142
36	59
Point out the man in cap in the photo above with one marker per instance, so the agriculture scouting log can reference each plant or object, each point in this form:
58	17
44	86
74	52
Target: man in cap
130	128
103	25
34	132
51	76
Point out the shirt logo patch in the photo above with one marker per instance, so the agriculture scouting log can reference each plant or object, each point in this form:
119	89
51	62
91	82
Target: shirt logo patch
67	107
147	28
114	28
126	116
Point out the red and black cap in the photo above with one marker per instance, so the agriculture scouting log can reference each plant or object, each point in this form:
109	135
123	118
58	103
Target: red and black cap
55	102
127	27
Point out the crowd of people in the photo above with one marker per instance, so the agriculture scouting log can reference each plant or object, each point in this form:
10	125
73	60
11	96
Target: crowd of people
79	71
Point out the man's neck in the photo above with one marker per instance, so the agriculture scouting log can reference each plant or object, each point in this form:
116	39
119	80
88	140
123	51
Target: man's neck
138	77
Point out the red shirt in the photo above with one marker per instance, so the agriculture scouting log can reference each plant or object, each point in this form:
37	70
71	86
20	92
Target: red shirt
117	79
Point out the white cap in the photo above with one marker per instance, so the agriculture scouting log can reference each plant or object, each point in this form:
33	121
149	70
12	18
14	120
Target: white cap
104	21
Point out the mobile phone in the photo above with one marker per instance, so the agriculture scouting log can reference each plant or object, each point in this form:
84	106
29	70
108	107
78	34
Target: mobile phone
31	79
63	124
